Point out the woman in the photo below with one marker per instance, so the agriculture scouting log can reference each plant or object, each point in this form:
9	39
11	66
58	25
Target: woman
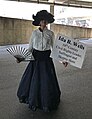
39	87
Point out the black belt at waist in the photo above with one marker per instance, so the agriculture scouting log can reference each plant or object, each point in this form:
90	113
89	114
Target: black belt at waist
41	55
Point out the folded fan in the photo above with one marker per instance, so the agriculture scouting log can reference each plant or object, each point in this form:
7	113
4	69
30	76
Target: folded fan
20	53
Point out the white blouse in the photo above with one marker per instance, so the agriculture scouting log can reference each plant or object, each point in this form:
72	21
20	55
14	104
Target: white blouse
41	40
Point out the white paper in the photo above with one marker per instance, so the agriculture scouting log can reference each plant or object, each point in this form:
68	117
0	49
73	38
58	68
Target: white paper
69	50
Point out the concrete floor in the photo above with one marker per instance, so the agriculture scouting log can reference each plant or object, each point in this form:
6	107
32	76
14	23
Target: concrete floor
75	84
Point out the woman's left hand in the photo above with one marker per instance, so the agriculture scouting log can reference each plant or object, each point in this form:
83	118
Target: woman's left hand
65	64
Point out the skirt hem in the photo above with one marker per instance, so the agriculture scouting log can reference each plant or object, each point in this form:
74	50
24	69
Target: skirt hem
43	108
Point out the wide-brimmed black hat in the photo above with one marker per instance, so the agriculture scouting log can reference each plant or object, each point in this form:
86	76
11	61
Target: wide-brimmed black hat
42	15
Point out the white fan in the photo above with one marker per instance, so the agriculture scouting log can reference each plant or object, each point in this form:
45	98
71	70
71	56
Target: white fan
20	53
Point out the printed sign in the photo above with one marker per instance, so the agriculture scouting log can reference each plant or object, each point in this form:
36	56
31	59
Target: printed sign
69	50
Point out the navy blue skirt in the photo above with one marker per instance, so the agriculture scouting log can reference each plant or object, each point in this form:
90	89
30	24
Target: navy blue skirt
39	86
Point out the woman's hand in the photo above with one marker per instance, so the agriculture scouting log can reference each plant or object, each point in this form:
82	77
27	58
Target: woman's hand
18	60
65	64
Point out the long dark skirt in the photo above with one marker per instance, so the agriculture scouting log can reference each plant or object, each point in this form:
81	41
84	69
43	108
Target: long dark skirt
39	86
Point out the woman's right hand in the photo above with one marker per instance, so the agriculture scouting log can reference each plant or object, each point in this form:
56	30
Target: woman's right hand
18	60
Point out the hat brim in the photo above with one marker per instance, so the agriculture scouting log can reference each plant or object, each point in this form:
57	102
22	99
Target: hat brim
43	15
37	22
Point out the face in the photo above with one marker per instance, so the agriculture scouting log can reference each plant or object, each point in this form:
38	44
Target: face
43	23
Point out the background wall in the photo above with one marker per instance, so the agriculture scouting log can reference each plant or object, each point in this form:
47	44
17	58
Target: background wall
16	31
72	31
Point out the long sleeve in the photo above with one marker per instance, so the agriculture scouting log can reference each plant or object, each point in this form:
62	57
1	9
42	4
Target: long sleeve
52	40
31	42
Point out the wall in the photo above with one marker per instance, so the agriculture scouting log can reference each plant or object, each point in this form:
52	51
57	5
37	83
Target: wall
16	31
72	31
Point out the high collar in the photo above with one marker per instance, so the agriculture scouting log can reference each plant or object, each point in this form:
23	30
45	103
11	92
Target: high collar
42	30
